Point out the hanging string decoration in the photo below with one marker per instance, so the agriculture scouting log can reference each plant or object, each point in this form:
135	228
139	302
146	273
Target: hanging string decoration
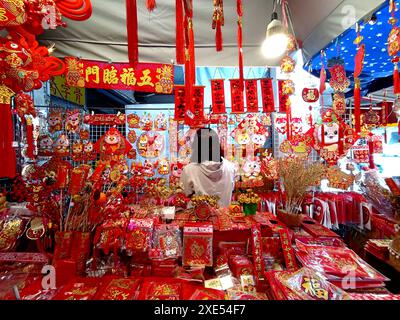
358	65
217	22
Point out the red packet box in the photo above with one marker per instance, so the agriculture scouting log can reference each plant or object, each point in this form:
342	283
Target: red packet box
197	244
241	265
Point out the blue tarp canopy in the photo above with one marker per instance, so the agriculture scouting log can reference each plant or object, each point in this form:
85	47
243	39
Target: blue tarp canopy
378	68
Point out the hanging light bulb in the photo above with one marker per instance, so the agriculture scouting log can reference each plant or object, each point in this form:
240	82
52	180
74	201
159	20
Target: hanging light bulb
276	39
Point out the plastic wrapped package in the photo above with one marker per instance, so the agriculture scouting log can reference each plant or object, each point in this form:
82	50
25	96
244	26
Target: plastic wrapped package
309	285
167	239
197	244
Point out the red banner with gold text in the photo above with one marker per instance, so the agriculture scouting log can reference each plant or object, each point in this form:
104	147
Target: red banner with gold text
146	77
267	94
180	103
237	96
251	95
218	96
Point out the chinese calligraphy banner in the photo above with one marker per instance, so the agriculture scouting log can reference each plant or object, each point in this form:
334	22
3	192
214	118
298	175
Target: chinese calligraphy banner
251	95
284	101
267	94
146	77
195	115
218	96
237	96
180	103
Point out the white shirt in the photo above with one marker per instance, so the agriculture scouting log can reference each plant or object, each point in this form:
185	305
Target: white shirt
210	178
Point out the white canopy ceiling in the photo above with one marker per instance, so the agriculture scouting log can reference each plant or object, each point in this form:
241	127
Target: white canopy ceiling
103	36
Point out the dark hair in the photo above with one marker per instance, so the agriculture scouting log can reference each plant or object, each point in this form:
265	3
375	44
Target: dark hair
206	146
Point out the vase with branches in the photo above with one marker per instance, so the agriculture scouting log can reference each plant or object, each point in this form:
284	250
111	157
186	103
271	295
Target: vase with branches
297	177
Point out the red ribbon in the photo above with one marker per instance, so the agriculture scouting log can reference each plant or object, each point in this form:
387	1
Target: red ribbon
251	95
239	9
180	37
218	96
267	94
132	31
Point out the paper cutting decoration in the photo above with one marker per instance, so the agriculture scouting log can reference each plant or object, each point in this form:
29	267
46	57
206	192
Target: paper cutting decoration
148	169
310	95
72	121
281	123
132	136
298	145
45	146
112	146
61	146
160	123
296	124
146	122
339	103
332	137
251	169
133	121
150	144
88	151
287	64
55	121
250	130
77	151
163	167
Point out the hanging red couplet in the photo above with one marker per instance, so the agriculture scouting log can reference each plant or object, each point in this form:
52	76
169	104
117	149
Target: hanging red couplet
218	96
283	98
195	116
251	95
267	94
237	96
179	103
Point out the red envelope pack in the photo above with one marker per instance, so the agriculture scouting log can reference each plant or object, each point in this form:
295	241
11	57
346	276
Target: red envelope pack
197	244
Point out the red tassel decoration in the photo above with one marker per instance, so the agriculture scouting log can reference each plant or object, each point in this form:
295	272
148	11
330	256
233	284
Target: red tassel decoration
132	31
357	105
151	5
218	36
396	79
8	156
239	9
29	139
180	37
